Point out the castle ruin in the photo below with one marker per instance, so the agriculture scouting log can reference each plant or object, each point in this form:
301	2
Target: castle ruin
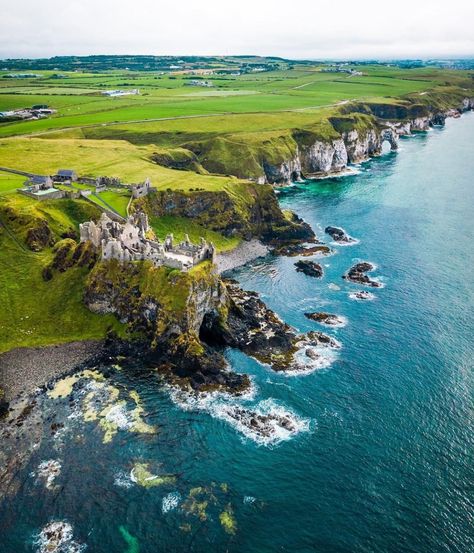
129	242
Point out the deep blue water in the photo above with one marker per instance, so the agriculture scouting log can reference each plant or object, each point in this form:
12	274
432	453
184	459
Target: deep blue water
386	462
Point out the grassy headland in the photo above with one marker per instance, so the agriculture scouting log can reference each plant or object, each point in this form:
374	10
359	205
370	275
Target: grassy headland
197	144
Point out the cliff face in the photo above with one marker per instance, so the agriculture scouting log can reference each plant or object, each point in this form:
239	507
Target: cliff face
323	157
361	135
254	213
184	319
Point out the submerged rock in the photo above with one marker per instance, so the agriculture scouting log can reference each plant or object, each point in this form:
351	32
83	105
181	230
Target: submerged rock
339	235
362	295
227	520
294	250
133	545
328	319
141	475
198	500
57	537
103	403
357	274
309	268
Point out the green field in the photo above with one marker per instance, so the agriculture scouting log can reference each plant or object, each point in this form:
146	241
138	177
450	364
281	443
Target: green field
36	312
78	101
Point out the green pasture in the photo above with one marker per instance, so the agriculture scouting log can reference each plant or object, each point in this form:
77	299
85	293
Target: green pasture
169	96
25	296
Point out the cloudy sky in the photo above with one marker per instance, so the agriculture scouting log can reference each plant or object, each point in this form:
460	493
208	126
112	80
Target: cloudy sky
313	29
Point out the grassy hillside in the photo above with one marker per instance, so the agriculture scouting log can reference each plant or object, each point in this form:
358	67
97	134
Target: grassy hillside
36	312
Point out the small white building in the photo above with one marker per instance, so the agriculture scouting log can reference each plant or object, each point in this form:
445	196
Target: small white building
115	93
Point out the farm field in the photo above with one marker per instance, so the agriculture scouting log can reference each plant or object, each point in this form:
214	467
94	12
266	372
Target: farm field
79	103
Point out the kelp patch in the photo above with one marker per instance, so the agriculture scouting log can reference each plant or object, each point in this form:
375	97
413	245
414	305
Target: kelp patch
142	475
104	403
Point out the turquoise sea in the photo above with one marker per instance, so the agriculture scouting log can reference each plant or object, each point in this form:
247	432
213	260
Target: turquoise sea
384	460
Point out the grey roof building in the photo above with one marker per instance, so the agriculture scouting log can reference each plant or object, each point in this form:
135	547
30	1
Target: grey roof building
66	174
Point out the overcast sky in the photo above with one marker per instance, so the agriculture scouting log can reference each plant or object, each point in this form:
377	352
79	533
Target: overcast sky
312	29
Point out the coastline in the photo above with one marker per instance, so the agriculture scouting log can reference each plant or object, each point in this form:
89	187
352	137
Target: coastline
242	254
23	370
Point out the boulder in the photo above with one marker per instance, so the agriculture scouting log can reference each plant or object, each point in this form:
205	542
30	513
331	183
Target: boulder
339	235
325	318
309	268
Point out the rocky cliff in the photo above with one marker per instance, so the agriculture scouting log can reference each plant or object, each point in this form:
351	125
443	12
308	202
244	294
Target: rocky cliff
362	129
353	133
248	211
183	320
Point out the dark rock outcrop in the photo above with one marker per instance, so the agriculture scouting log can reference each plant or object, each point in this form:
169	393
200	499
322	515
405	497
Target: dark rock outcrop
293	250
40	236
357	274
257	331
328	319
339	235
309	268
258	216
362	295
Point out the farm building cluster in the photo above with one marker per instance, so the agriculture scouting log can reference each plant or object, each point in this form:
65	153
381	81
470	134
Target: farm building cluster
39	111
130	242
42	187
115	93
197	82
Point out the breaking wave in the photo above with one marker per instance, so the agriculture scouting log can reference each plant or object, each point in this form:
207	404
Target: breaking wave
170	502
321	357
57	537
362	295
265	423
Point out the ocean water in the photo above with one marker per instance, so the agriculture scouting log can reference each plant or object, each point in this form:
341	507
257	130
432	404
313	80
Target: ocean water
383	460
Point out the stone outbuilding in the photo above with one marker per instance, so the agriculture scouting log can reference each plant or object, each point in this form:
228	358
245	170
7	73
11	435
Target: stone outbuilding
64	175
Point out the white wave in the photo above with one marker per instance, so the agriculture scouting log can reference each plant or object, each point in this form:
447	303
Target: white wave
347	172
321	357
48	471
248	500
122	479
119	416
352	242
333	286
273	423
266	424
362	296
202	401
170	502
57	537
340	323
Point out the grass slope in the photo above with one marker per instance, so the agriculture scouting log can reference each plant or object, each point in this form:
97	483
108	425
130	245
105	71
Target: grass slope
35	312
